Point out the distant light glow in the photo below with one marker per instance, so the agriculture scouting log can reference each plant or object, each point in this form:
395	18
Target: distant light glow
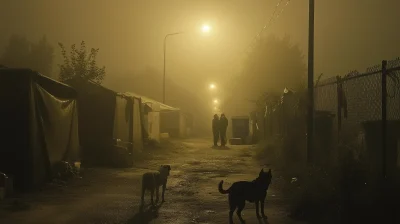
215	101
212	86
206	28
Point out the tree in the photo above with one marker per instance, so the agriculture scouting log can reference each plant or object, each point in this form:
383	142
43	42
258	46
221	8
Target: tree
81	64
22	53
42	55
273	65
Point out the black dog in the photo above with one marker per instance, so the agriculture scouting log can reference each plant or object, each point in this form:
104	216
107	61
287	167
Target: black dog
242	191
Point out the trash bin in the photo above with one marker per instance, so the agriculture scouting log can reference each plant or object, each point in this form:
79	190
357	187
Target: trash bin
323	137
373	138
241	128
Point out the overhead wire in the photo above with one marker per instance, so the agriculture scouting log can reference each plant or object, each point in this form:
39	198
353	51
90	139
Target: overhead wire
267	25
264	28
270	22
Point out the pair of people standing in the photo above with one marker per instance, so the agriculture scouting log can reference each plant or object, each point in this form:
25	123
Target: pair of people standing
219	126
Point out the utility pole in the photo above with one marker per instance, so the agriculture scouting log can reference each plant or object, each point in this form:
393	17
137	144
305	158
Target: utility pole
165	53
384	117
310	117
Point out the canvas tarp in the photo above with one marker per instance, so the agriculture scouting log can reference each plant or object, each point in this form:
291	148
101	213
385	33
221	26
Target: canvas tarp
122	119
169	117
39	119
152	103
170	123
96	112
105	116
137	125
128	121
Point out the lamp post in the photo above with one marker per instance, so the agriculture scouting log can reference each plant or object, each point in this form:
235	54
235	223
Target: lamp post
310	117
205	29
165	51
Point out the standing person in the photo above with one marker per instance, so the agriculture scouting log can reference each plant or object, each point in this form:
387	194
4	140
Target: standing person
215	129
223	126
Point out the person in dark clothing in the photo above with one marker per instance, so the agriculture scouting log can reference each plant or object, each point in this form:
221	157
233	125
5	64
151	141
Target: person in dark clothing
215	129
223	126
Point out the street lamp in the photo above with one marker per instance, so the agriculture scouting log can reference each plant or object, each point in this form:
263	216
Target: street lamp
165	51
205	29
212	86
215	101
310	115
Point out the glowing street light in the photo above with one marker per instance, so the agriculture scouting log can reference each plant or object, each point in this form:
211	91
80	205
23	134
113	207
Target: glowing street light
212	86
215	101
206	28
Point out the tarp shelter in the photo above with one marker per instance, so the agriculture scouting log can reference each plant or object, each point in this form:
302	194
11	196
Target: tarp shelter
38	117
136	129
163	118
106	117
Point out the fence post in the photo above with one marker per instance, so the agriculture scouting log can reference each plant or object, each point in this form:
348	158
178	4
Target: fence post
384	118
339	102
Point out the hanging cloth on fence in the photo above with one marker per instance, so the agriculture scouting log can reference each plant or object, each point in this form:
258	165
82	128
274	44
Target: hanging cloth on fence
342	100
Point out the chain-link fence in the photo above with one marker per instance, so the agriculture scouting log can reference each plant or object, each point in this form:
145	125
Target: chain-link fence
357	97
366	109
393	90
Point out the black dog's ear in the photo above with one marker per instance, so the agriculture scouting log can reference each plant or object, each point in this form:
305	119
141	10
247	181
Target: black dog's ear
166	166
269	171
262	171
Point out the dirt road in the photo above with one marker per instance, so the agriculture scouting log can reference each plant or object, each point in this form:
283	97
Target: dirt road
112	195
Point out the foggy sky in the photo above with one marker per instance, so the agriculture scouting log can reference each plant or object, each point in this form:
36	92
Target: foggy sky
348	34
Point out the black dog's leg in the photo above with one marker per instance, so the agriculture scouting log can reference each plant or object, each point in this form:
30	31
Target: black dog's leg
262	206
163	191
142	197
152	194
257	209
241	205
157	194
232	207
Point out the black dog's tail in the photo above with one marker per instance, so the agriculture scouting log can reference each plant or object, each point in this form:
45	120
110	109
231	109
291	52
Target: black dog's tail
220	189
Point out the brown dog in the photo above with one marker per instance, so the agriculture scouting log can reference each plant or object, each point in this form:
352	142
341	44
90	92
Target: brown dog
152	181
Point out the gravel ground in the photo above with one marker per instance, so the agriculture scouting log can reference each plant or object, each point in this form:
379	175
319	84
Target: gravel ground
112	195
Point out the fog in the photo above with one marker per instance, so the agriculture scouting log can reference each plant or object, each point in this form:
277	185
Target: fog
349	35
119	98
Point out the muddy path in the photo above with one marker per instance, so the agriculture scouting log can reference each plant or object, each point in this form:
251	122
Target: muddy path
112	195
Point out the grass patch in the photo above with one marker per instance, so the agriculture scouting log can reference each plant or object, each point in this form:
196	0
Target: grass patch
325	193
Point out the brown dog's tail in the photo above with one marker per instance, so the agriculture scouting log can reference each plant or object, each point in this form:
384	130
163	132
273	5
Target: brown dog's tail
220	189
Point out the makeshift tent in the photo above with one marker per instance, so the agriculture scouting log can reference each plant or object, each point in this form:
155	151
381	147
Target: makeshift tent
168	119
96	108
137	124
40	126
129	116
154	104
107	118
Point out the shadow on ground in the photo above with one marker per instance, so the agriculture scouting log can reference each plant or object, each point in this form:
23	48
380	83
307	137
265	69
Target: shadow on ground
220	147
145	216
